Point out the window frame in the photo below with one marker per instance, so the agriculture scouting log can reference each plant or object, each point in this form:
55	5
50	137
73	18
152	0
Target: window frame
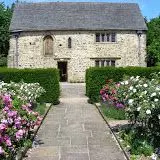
69	42
44	49
108	37
106	62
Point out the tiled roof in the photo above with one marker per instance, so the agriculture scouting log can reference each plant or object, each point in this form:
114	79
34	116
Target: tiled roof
77	16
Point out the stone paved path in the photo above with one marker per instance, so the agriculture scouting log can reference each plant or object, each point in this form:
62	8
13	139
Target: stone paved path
74	130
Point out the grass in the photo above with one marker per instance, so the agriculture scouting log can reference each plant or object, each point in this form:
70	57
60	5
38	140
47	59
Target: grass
40	108
113	113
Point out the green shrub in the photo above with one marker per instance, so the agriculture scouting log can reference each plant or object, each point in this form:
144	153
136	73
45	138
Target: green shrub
47	78
137	141
3	61
96	77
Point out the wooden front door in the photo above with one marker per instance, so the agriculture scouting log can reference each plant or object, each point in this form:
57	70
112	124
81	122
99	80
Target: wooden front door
62	66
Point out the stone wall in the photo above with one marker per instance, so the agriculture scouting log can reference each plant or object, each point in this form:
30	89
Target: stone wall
128	50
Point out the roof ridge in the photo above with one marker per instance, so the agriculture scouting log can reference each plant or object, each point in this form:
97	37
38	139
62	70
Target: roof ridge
116	3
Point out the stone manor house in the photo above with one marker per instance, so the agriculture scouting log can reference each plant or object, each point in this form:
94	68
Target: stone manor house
74	36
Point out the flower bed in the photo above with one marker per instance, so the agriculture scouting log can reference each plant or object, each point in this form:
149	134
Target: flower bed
19	120
139	98
47	78
96	77
111	106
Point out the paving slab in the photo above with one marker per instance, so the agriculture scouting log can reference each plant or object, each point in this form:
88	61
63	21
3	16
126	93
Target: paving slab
74	130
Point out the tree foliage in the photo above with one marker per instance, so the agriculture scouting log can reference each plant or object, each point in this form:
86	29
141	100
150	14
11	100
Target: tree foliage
5	18
153	42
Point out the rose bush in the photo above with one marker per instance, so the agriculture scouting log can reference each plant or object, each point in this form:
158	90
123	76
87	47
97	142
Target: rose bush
109	94
140	98
19	120
27	92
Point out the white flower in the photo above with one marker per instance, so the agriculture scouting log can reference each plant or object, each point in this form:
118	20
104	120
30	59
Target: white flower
159	116
137	77
131	88
130	101
125	82
134	90
154	156
153	94
21	87
138	109
148	111
145	92
122	83
157	88
131	77
145	85
153	105
156	100
128	146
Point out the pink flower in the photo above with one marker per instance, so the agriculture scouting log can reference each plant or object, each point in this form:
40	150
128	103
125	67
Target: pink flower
106	96
10	120
28	105
7	141
12	113
39	118
1	139
118	84
113	91
38	123
6	109
3	127
17	122
7	99
23	121
1	150
19	134
102	91
24	107
35	113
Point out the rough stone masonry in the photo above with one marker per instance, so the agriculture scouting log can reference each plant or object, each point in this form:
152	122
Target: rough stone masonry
80	22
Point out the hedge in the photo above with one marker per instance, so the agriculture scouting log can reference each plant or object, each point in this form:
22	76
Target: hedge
96	77
47	78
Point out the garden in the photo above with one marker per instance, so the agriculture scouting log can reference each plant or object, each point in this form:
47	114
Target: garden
130	106
20	115
24	98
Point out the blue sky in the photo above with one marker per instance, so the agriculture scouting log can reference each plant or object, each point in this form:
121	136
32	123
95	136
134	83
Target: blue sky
149	8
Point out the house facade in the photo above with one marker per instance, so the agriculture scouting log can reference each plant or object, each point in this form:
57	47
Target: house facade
76	36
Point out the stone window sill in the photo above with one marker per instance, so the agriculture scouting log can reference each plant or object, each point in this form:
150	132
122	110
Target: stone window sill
106	42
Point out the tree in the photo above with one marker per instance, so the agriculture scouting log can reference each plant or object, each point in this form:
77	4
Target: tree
5	18
153	42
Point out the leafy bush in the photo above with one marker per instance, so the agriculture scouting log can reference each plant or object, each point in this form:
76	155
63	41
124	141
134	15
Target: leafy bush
25	91
18	122
140	97
136	141
3	61
47	78
96	77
